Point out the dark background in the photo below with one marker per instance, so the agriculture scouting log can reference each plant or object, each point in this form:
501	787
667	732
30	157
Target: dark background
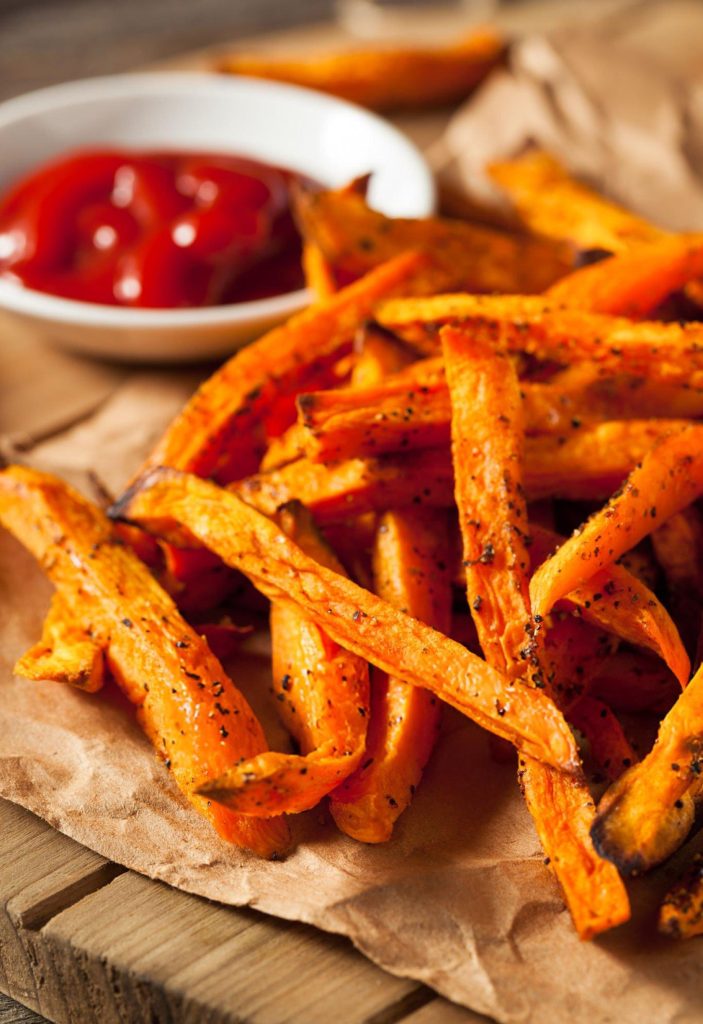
46	41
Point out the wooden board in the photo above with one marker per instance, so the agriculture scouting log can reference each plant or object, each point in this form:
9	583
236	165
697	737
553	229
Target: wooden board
83	940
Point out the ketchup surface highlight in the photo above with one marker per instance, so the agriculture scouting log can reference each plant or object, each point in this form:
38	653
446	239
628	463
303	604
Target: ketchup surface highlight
152	229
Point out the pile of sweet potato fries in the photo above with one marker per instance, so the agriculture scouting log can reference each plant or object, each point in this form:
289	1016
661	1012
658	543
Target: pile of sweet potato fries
395	470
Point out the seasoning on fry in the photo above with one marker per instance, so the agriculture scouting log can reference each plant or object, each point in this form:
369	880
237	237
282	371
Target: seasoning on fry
354	239
158	660
323	696
341	462
185	506
487	452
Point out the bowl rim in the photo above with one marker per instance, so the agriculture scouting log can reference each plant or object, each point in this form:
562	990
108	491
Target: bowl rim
31	302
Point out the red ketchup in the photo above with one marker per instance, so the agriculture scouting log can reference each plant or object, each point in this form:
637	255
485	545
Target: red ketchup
159	230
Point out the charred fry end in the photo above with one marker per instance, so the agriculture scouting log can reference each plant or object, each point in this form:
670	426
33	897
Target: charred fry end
631	834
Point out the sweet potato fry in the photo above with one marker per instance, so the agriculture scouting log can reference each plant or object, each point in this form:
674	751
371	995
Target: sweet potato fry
678	548
648	812
635	282
539	327
487	452
551	202
625	396
350	423
616	600
534	325
340	490
563	814
384	79
634	681
379	354
669	478
354	239
318	274
400	315
593	461
67	652
297	523
411	572
221	431
401	415
588	465
583	393
681	912
487	434
323	694
183	507
160	662
610	749
574	651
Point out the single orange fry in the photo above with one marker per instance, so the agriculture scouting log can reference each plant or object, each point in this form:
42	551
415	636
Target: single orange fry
634	282
411	572
668	479
488	455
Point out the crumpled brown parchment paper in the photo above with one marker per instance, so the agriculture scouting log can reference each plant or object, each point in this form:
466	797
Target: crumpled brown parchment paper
627	119
460	899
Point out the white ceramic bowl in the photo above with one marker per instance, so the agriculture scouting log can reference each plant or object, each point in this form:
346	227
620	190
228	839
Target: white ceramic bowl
325	138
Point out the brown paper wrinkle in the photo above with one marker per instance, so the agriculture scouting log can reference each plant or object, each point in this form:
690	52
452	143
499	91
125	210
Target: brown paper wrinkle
622	119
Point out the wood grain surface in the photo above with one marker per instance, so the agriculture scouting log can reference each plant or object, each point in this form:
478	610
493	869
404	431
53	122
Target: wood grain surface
14	1013
83	940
